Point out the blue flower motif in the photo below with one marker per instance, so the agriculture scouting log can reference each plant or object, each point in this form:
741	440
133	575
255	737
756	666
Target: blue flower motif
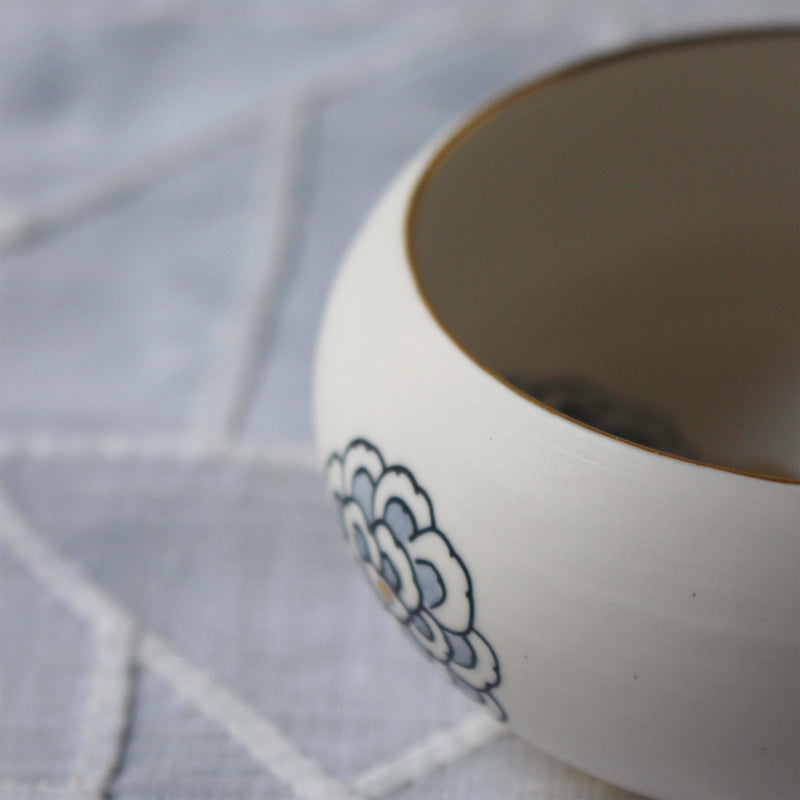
389	523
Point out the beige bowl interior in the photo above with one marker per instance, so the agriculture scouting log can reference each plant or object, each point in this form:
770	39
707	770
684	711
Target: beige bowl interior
636	223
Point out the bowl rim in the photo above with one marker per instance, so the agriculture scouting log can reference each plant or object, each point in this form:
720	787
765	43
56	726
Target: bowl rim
489	111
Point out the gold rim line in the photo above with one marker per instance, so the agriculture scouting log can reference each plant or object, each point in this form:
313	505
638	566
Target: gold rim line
489	112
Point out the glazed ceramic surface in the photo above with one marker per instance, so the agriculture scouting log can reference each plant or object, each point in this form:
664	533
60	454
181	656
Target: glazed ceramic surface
632	222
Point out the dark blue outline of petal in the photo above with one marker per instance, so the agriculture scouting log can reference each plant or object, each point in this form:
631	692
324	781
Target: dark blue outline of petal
418	490
361	542
446	660
487	685
345	530
393	579
503	715
439	580
334	457
367	511
477	694
494	656
412	622
463	636
452	553
399	501
410	561
357	443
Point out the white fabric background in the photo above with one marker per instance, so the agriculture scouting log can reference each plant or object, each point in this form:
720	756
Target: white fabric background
178	181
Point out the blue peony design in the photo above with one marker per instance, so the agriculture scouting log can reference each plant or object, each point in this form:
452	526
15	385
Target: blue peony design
389	523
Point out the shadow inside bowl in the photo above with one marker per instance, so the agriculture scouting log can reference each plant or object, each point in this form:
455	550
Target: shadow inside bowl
636	226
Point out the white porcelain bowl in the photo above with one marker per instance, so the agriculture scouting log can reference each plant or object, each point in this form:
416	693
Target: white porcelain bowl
632	222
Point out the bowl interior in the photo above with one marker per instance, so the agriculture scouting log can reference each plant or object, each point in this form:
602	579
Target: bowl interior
635	223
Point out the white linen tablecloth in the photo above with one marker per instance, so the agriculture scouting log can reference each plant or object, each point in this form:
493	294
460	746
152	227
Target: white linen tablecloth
178	182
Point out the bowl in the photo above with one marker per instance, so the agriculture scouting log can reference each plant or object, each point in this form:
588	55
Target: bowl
556	395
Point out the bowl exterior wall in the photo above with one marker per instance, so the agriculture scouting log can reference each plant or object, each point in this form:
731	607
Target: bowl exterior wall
643	612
